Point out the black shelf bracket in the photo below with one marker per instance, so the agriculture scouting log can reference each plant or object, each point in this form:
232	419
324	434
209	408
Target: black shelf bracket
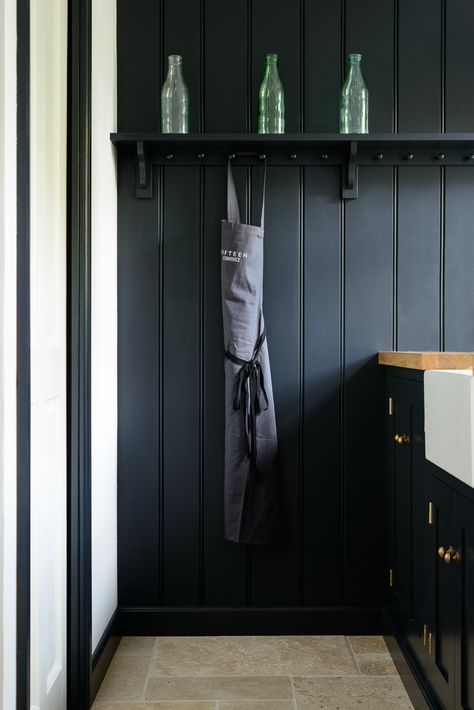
350	190
144	182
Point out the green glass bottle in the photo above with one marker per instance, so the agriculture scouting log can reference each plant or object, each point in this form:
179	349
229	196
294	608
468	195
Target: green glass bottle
174	99
354	99
271	99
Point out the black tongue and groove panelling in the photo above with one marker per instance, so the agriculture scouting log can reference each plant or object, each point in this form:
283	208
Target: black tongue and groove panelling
392	269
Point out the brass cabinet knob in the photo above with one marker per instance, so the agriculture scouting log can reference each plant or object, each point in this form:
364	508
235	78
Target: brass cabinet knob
402	439
449	555
452	555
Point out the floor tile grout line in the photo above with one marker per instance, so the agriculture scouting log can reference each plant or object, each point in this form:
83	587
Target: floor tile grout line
253	675
351	651
147	678
293	691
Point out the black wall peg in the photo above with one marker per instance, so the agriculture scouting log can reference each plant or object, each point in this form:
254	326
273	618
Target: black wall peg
262	156
409	156
293	156
440	156
324	156
170	156
201	156
379	156
470	156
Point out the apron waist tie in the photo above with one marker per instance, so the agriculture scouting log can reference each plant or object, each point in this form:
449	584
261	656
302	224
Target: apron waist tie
249	393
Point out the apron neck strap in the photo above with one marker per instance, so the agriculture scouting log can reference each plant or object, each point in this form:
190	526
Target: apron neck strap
262	218
233	212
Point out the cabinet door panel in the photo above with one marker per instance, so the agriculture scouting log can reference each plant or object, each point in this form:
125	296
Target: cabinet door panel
402	483
443	612
420	588
465	638
407	508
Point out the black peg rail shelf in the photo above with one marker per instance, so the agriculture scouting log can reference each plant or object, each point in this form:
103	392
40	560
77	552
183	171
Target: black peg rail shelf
350	151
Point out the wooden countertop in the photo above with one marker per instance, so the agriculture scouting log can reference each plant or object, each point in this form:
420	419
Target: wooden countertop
428	360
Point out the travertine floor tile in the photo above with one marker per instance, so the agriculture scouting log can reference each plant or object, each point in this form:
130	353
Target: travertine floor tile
378	664
125	679
252	673
253	655
136	646
258	705
350	693
219	688
368	644
155	706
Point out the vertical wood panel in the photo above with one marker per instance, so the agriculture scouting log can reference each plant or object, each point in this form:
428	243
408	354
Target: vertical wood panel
368	313
322	70
138	65
459	62
181	386
418	258
275	569
419	70
322	360
370	31
225	563
226	67
459	260
182	35
138	394
276	28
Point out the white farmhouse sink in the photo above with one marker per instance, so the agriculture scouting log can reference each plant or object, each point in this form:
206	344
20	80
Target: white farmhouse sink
449	421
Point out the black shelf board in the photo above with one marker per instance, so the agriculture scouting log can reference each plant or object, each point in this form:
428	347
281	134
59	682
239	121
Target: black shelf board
348	150
289	140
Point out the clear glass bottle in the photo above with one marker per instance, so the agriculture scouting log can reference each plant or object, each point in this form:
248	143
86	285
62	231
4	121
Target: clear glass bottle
174	99
271	99
354	99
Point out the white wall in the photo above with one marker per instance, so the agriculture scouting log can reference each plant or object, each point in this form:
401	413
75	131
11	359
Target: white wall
7	353
104	319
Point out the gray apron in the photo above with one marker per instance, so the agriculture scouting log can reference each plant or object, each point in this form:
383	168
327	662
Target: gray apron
251	447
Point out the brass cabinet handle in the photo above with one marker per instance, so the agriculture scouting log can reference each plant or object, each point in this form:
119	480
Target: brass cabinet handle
402	439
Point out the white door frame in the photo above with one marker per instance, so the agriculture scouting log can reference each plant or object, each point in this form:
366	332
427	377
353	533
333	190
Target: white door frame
78	245
7	353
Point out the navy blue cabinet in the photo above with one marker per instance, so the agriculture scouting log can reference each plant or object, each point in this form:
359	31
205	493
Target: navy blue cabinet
430	553
408	509
464	641
443	618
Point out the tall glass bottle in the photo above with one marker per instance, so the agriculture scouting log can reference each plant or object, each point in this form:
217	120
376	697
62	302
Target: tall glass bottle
354	99
174	99
271	99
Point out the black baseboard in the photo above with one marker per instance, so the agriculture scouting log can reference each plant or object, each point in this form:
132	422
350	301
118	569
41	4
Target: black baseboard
245	621
413	677
103	654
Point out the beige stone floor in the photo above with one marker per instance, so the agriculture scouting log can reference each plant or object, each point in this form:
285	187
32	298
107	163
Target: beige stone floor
252	673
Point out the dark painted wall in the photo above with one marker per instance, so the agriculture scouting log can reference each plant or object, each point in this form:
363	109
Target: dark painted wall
392	269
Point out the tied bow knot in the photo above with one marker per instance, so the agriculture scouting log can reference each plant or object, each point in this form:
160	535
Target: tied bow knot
250	394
